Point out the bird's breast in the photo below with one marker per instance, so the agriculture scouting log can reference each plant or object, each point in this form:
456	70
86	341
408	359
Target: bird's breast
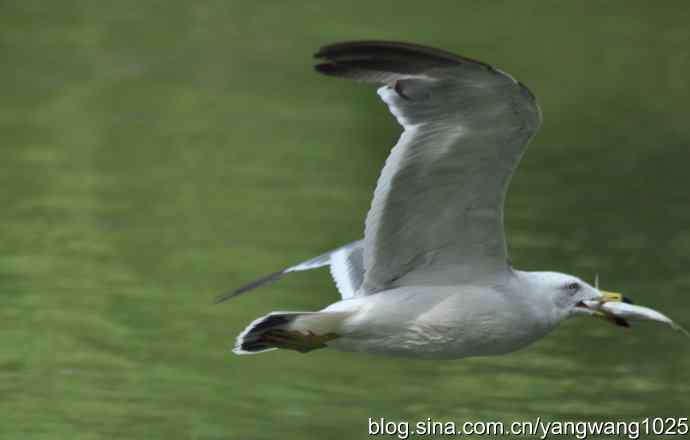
454	326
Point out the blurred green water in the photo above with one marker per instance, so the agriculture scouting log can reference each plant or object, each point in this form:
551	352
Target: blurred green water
157	153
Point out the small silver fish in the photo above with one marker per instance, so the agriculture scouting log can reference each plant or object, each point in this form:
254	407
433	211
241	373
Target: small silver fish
631	311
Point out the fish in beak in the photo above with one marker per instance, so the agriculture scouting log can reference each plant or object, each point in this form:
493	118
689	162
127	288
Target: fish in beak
596	309
618	309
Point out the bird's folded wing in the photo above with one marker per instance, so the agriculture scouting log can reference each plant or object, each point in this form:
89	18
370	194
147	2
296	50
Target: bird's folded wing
438	204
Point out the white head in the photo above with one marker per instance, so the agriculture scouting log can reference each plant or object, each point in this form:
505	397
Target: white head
566	296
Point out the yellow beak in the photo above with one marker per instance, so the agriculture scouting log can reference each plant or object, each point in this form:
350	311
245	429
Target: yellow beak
613	297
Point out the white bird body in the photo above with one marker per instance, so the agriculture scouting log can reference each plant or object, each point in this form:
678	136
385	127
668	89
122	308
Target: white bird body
442	322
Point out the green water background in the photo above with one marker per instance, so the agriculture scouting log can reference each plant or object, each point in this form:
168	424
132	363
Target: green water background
157	153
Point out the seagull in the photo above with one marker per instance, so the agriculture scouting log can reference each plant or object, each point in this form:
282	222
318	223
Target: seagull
431	279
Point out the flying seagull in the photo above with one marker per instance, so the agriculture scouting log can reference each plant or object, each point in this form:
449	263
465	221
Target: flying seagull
431	278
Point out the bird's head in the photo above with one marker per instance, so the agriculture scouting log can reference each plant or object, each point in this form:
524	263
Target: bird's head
570	296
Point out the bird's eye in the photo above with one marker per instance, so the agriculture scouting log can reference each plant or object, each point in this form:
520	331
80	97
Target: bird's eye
573	287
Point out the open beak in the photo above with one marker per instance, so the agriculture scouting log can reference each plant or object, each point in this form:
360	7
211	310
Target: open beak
607	297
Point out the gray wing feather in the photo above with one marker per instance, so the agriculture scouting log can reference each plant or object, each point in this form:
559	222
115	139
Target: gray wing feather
438	204
352	262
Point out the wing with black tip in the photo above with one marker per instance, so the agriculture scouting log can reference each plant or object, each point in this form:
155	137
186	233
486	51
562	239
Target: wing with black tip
437	211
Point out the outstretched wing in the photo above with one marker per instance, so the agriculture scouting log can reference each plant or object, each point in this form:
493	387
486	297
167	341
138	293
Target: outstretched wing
347	269
438	204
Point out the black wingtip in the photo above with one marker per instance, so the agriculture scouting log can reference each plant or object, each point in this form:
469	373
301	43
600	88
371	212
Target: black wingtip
275	276
366	48
381	61
399	50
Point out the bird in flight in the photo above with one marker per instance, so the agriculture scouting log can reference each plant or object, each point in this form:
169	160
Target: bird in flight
431	278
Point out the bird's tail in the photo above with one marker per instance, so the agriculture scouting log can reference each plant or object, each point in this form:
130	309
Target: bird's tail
300	331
